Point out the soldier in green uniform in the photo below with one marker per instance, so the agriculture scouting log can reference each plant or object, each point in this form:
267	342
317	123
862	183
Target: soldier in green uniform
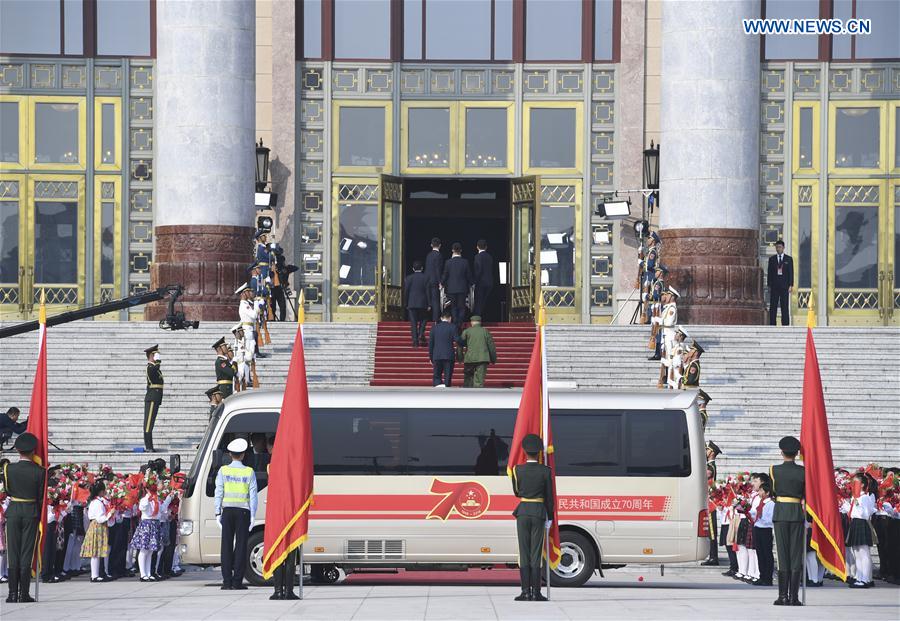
712	451
224	370
691	377
788	484
532	485
24	481
480	351
702	400
154	395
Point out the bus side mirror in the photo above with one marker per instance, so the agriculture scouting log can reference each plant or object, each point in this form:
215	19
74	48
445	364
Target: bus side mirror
175	463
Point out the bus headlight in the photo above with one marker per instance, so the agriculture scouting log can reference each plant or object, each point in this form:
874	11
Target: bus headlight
186	528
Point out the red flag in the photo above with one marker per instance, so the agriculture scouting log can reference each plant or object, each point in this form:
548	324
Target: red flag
37	425
821	492
534	417
290	492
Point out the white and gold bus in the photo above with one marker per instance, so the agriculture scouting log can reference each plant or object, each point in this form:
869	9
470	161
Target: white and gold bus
416	479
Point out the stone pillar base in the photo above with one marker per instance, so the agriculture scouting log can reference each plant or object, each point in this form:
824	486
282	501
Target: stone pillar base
209	261
717	273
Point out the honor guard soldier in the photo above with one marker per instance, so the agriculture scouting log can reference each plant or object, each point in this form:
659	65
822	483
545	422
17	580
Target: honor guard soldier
702	400
262	253
224	370
789	485
24	481
712	451
235	502
533	486
676	368
242	364
248	312
667	321
260	286
153	396
691	378
215	398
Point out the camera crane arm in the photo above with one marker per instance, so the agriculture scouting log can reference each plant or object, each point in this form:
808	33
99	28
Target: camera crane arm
92	311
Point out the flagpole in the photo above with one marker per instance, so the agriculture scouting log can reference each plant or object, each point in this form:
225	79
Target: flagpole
545	416
301	572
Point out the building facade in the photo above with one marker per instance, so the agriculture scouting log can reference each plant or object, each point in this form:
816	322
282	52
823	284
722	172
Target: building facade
391	122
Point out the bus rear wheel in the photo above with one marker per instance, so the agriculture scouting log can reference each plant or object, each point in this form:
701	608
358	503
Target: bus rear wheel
325	574
577	563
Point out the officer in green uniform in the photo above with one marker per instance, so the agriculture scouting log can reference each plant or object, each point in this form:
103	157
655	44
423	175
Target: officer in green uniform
153	396
224	370
235	501
712	451
480	351
532	485
691	377
788	484
24	482
702	400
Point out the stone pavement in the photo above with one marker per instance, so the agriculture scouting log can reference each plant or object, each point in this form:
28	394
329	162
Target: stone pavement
681	594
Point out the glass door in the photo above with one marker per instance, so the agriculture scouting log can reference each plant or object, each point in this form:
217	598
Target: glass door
12	246
861	252
390	258
523	271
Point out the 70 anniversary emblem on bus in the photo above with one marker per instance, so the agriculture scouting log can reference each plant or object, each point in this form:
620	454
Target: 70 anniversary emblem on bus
469	499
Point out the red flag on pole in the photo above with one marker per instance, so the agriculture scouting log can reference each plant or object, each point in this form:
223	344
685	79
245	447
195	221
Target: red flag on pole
534	417
37	425
821	492
290	492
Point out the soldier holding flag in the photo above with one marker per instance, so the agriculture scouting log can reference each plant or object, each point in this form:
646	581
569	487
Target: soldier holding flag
24	481
533	486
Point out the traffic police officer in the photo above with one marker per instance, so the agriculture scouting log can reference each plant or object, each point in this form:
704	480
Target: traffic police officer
153	396
224	370
236	502
24	482
788	484
532	485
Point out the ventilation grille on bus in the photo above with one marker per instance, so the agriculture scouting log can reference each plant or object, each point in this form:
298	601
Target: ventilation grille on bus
376	549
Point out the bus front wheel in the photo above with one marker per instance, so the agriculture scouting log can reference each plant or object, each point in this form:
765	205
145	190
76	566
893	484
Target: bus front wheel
254	559
577	560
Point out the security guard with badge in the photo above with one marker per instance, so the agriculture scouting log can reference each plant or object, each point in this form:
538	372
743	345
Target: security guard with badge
24	482
789	521
533	486
153	396
236	501
224	370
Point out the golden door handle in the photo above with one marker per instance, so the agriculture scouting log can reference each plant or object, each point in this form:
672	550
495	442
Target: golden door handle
29	290
23	287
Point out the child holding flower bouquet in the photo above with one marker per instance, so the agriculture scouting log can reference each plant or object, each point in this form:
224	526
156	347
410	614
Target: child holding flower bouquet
147	537
96	540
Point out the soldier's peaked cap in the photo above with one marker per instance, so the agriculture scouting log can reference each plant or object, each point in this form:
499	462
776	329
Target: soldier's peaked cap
26	442
219	343
236	327
713	447
662	268
673	291
532	444
259	233
789	444
695	345
238	445
654	236
241	289
152	349
703	396
212	391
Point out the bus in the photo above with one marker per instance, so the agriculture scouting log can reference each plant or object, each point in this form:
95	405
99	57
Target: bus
416	479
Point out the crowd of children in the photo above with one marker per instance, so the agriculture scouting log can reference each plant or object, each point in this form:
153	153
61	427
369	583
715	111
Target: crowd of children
870	515
124	525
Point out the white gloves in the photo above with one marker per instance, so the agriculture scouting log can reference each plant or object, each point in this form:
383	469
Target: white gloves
219	520
548	524
251	526
268	280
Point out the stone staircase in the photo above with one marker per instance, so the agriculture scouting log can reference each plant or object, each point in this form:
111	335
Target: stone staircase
753	374
96	381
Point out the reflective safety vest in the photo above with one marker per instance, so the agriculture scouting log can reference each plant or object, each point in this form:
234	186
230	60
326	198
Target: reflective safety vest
237	486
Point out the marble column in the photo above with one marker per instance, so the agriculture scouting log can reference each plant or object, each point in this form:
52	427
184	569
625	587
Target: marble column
205	163
709	160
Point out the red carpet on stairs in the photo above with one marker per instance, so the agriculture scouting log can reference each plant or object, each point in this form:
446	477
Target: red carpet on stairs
398	363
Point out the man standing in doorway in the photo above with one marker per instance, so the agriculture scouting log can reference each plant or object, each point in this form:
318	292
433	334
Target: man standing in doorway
484	277
434	268
781	284
457	279
415	294
440	351
153	396
480	352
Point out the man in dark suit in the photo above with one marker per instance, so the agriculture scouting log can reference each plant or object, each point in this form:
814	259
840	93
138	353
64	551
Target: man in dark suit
484	277
415	292
781	283
440	350
434	269
457	278
533	486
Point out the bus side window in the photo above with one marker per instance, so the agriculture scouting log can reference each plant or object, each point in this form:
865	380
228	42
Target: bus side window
654	444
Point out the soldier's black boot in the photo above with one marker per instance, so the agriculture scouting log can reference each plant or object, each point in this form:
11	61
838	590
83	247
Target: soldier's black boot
782	589
25	586
13	595
796	576
524	596
525	580
279	592
536	594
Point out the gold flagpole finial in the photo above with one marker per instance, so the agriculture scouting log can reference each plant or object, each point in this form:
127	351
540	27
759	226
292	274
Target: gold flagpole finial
811	313
42	313
301	308
542	313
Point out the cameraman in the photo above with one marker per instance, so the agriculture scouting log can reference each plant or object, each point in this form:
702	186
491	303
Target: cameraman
282	272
